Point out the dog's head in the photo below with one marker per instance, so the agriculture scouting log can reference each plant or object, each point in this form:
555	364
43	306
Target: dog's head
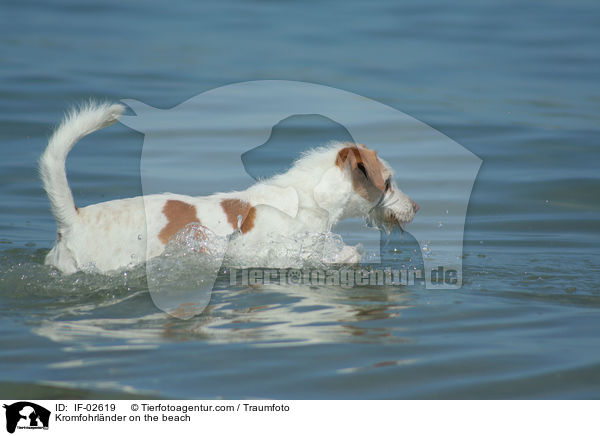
373	192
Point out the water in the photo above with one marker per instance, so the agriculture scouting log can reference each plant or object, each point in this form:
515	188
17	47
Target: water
515	83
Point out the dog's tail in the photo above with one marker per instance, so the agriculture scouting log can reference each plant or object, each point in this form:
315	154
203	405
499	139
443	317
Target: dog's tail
76	124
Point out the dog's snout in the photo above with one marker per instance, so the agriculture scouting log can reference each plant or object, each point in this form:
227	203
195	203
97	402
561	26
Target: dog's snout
415	206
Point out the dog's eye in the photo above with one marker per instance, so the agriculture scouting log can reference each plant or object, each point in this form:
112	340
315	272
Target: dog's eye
361	167
388	183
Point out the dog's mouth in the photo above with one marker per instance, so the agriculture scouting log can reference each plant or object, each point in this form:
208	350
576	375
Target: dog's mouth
388	219
389	213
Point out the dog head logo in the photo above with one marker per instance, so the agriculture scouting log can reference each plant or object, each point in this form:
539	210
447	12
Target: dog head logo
26	415
187	147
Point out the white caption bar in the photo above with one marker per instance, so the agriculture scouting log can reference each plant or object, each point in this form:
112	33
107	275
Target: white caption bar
265	417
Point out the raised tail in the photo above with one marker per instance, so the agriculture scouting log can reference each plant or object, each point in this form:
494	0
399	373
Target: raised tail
76	124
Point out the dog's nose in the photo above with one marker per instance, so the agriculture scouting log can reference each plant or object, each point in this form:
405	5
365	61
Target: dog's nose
415	207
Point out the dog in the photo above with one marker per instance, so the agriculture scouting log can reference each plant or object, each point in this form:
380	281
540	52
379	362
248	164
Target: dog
323	187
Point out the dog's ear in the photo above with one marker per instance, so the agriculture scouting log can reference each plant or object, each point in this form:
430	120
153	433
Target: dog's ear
363	161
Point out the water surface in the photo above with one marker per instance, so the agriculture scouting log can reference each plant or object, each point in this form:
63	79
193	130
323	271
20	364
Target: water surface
515	83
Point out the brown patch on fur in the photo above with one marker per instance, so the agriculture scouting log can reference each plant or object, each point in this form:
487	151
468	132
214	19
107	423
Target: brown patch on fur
179	214
357	156
234	208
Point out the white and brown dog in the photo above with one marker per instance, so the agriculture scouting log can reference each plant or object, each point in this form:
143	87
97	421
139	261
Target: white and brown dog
325	186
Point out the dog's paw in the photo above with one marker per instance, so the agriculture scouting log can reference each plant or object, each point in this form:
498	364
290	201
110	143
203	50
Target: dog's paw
347	255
